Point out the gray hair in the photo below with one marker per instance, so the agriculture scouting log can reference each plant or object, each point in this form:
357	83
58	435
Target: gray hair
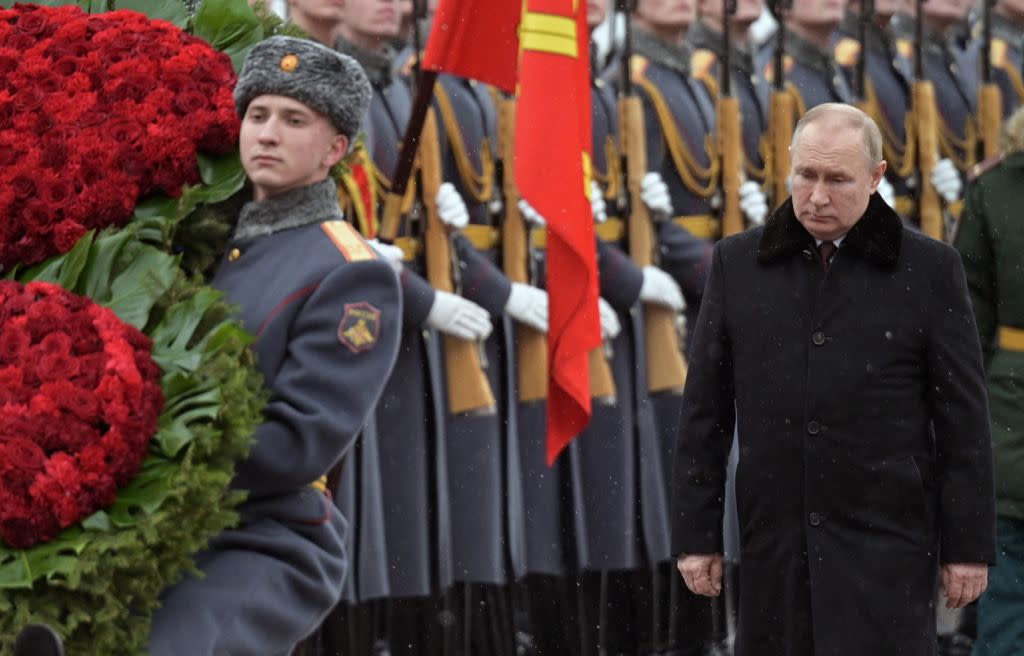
850	117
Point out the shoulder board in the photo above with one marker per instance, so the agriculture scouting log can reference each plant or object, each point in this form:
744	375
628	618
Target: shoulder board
905	48
769	69
348	242
408	65
846	52
701	62
997	53
637	66
984	166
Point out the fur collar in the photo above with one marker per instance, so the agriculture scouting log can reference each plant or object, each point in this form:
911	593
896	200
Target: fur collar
877	236
315	203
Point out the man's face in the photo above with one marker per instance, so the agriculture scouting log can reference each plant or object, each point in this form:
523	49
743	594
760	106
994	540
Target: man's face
1014	9
376	18
285	145
328	11
670	14
597	10
947	10
821	13
832	180
887	8
747	11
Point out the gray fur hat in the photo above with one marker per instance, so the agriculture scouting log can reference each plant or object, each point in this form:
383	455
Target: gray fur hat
329	82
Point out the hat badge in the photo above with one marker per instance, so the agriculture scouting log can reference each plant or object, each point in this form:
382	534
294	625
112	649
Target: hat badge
289	63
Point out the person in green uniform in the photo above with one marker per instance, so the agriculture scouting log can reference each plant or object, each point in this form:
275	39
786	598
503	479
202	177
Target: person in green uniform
991	242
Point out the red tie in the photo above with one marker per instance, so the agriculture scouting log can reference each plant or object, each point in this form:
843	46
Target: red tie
825	252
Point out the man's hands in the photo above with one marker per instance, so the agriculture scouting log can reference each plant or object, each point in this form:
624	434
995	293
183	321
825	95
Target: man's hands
454	315
450	207
610	324
946	180
963	583
528	305
702	573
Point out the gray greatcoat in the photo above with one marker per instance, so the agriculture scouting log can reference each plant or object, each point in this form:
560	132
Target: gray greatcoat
865	455
269	582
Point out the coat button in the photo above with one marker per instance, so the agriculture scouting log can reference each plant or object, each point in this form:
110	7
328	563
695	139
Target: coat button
234	255
814	519
813	428
818	338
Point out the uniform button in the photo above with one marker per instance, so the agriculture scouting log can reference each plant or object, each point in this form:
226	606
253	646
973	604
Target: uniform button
234	255
813	428
814	519
818	338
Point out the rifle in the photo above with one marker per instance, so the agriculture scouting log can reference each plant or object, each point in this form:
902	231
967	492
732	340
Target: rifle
860	77
666	368
782	113
729	131
517	255
922	104
990	101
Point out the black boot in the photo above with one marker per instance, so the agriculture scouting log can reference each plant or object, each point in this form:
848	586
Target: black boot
38	640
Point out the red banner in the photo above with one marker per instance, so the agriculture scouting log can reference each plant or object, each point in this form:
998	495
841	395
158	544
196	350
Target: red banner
477	39
552	171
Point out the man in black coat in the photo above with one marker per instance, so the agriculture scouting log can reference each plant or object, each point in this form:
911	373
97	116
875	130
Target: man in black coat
855	378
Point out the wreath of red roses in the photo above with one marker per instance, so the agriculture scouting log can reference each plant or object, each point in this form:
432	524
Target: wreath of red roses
97	111
79	400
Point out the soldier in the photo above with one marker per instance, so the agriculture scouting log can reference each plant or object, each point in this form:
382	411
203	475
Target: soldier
320	19
326	313
989	240
1005	52
706	39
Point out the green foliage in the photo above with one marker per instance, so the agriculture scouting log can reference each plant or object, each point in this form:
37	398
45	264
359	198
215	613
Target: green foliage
229	26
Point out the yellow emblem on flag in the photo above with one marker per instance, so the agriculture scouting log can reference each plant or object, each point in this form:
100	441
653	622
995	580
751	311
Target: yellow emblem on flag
549	33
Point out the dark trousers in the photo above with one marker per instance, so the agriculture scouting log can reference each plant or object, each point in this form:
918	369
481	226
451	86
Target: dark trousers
1001	608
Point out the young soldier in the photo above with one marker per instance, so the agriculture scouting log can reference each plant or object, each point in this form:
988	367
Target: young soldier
327	315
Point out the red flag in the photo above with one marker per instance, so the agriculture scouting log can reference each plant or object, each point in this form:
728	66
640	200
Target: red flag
477	39
552	171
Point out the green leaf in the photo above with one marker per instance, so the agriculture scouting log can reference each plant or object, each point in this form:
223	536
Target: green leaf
57	558
74	262
172	11
95	279
223	176
98	521
229	26
180	323
145	493
136	289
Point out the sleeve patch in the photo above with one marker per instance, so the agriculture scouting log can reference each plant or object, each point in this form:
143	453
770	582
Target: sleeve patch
359	327
351	245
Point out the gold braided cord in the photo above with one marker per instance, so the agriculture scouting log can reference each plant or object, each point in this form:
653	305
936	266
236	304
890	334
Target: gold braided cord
383	182
480	186
1018	82
754	171
900	156
690	171
610	180
953	146
799	106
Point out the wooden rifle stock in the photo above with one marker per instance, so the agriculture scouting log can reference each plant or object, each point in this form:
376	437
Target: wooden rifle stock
731	146
468	387
781	121
666	368
990	117
531	345
926	115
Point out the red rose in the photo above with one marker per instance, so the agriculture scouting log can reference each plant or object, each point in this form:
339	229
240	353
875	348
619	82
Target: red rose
24	186
14	345
23	454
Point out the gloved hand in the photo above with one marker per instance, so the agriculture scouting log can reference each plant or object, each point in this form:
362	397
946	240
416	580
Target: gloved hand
531	215
610	325
946	180
753	203
450	207
454	315
391	254
654	194
659	287
529	305
887	192
597	205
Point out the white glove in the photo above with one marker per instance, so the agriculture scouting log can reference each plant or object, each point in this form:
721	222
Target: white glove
393	255
597	205
531	215
946	180
887	192
454	315
450	207
753	203
529	305
654	194
659	287
610	326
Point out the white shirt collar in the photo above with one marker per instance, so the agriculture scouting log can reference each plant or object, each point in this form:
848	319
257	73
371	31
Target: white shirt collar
836	241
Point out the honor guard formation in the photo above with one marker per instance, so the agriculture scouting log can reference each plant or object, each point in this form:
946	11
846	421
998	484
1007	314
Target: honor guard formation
406	335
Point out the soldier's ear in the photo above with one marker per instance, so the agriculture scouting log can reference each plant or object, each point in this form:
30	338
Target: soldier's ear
336	151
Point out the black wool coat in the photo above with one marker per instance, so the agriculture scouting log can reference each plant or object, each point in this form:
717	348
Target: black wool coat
865	454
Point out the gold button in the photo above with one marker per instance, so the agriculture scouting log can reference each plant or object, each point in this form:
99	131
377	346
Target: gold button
234	255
